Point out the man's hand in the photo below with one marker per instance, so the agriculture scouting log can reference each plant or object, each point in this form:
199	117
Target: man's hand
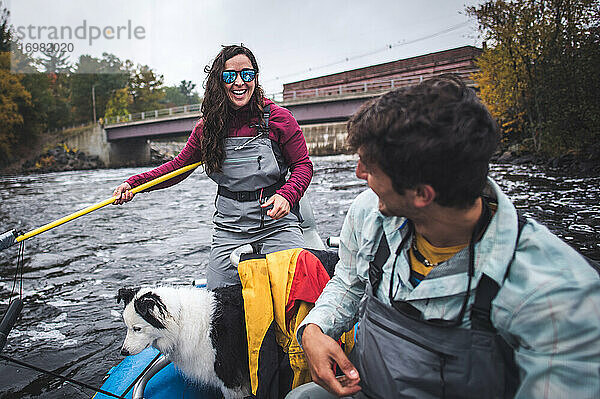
281	206
322	353
123	194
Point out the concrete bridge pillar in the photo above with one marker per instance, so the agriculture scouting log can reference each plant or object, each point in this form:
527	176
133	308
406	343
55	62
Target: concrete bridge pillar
129	152
325	138
124	152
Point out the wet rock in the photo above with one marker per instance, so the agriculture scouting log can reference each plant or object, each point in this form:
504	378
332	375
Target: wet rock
506	157
161	152
158	158
585	162
529	158
61	158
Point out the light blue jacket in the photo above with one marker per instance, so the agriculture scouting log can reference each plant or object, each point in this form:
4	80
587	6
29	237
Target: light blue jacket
548	308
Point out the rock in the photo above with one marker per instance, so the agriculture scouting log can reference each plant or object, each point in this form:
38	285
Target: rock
524	159
164	152
506	157
61	158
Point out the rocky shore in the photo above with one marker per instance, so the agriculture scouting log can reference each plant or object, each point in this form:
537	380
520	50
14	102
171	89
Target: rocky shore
585	163
59	159
62	158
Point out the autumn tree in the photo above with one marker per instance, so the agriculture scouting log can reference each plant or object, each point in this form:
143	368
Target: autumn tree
146	89
118	104
16	103
540	72
13	97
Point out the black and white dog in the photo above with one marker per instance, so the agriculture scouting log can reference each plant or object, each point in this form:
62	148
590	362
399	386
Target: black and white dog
202	332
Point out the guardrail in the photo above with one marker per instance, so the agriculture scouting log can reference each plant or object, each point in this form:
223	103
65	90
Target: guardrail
154	114
378	85
167	112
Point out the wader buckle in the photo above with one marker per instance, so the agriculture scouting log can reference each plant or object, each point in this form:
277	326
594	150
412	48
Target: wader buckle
243	196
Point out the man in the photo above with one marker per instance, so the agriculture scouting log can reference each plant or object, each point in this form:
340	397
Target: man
456	295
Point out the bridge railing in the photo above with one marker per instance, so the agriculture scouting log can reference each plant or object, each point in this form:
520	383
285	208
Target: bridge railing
378	85
154	114
167	112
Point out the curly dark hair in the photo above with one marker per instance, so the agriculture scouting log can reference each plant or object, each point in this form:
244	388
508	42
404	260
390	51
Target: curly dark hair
217	111
437	133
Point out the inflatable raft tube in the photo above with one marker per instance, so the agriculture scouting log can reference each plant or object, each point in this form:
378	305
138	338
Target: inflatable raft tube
167	383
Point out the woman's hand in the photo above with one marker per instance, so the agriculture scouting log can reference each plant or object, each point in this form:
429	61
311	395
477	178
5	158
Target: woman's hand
281	206
123	194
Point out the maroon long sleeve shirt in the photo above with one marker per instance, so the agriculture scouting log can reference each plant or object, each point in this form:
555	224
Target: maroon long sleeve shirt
283	129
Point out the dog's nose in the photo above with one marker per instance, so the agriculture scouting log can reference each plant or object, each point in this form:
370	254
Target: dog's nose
124	352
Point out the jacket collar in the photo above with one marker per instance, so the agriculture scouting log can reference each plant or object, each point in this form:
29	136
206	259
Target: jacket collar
492	253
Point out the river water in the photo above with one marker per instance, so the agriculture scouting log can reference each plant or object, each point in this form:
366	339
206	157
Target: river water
71	322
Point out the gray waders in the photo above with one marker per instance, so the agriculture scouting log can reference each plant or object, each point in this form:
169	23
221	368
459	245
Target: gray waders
253	169
398	354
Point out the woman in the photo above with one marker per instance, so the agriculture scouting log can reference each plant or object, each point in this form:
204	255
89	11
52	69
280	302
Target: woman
247	144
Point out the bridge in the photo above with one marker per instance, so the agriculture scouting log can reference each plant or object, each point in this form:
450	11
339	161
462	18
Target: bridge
320	105
153	124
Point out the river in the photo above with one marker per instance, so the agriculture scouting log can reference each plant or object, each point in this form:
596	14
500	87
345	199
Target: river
71	322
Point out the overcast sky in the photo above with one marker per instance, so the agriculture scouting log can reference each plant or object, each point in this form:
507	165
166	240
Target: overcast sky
292	40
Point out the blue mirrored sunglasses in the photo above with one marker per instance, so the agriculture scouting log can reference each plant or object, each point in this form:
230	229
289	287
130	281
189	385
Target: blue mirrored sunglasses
247	75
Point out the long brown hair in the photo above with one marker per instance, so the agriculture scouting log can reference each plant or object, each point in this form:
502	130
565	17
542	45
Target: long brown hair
217	111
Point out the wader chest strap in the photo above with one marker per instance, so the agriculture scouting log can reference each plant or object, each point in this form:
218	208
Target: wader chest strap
488	288
262	127
376	265
266	116
382	255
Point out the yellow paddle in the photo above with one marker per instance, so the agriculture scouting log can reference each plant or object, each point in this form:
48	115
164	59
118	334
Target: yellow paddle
6	241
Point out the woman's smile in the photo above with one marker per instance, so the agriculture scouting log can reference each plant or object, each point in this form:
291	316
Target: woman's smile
239	92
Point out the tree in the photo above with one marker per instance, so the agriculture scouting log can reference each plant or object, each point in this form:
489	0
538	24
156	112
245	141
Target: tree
55	61
23	97
118	104
13	97
60	110
146	89
6	38
103	75
186	87
541	53
183	94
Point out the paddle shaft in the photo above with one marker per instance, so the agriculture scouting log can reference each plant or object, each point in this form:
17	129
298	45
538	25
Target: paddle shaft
108	201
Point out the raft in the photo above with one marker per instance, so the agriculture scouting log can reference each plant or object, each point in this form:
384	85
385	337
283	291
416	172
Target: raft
167	383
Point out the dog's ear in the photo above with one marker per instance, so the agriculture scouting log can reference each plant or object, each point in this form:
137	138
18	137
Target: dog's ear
126	295
151	308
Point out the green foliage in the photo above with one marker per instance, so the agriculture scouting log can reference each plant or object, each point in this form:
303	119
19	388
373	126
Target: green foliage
183	94
119	103
13	99
541	74
5	31
146	89
36	113
55	61
59	111
105	76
